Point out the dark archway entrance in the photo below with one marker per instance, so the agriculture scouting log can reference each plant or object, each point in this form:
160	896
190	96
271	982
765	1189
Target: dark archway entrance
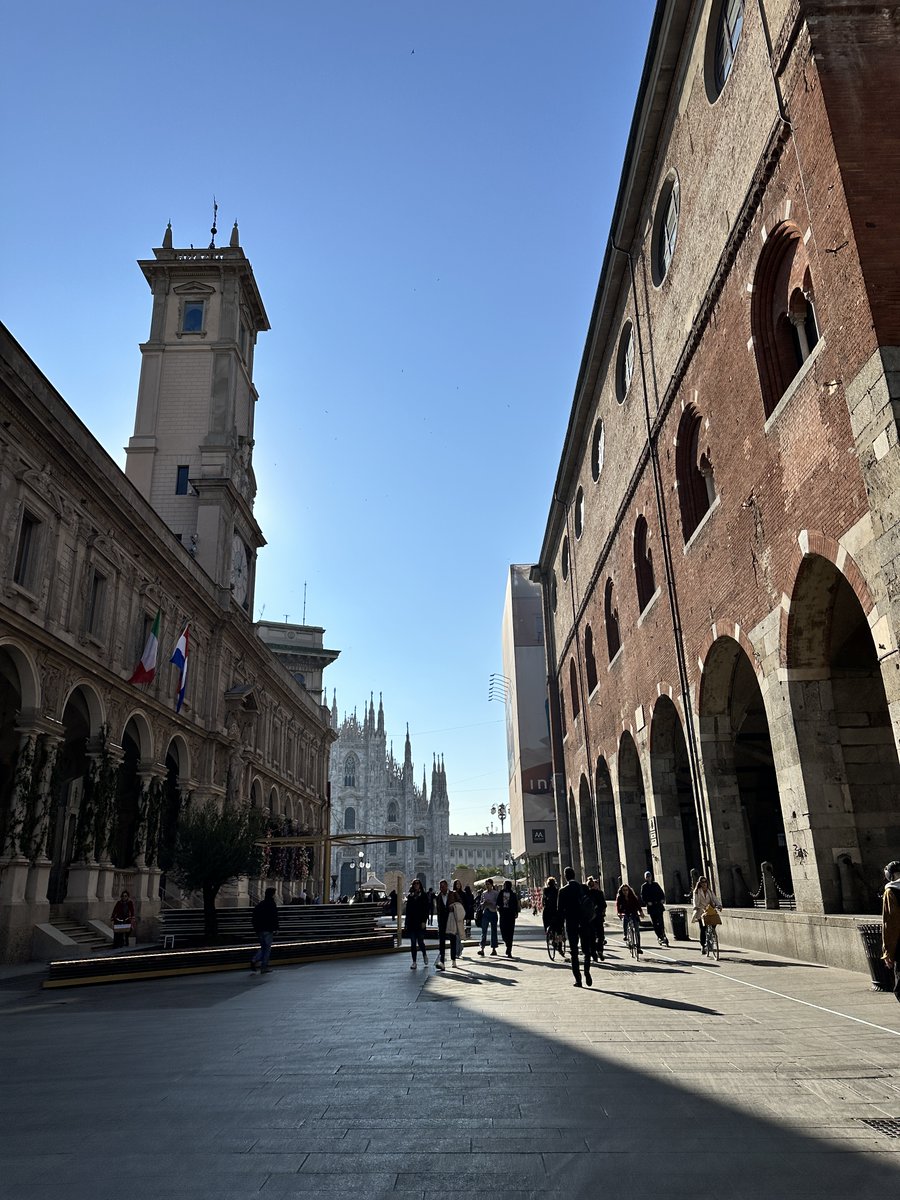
590	852
10	705
71	765
128	799
677	831
574	840
170	808
845	739
747	824
635	836
610	871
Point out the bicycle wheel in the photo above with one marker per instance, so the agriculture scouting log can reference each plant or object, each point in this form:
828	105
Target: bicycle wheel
631	940
712	942
551	944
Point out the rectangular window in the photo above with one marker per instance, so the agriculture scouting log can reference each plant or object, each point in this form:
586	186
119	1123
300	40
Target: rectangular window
181	481
192	316
392	847
96	604
26	551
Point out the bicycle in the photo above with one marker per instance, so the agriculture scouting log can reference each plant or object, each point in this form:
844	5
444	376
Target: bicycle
556	943
712	942
633	936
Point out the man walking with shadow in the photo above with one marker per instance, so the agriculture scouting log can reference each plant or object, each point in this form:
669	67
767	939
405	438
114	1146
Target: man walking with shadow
265	925
576	908
442	906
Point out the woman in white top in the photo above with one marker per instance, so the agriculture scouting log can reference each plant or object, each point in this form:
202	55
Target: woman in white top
456	925
704	896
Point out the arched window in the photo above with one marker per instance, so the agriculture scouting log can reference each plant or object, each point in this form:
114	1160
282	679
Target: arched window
782	312
392	813
579	513
349	820
573	688
590	661
643	564
726	23
665	228
625	361
562	711
611	617
693	470
351	764
392	848
564	562
420	844
597	450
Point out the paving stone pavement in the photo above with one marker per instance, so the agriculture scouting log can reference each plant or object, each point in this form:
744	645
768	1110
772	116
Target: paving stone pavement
362	1079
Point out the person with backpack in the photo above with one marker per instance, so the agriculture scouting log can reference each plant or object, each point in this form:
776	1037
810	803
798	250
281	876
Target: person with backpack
265	926
576	909
507	911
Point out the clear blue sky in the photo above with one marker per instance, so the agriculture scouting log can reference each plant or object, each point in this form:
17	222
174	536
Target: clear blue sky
424	191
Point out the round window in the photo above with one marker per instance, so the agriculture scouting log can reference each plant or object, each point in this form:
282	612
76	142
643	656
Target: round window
564	564
579	513
625	362
597	448
554	592
723	33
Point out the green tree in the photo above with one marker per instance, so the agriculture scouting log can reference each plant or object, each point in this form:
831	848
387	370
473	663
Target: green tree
213	847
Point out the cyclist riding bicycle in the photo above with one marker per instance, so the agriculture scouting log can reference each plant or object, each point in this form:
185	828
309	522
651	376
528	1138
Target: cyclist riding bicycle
703	898
550	911
628	909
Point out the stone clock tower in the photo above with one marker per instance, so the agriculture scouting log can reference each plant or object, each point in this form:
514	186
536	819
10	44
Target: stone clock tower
191	454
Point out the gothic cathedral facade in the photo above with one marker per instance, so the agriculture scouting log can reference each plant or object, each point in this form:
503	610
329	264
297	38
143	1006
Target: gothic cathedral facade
371	792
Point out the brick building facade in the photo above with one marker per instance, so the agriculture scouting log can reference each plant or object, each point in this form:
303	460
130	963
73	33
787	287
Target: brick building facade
720	563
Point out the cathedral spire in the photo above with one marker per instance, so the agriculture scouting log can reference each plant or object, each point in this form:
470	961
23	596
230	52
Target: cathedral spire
380	716
424	788
334	710
407	751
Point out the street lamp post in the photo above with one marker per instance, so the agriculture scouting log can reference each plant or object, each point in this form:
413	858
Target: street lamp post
361	866
510	861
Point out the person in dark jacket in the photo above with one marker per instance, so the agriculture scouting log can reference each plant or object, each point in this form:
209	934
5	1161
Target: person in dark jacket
569	908
628	908
417	908
265	925
507	911
653	899
123	921
598	937
442	904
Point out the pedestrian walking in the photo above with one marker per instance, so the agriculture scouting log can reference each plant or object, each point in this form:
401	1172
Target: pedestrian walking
653	899
890	921
122	921
507	911
704	898
598	936
416	920
456	924
442	910
431	906
487	902
265	926
576	911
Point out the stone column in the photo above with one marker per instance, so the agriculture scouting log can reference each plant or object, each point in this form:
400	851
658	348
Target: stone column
39	874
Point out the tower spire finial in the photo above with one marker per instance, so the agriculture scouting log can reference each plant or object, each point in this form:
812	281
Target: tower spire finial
213	231
235	237
167	237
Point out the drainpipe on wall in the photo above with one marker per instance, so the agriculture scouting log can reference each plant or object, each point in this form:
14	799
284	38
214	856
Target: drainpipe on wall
669	572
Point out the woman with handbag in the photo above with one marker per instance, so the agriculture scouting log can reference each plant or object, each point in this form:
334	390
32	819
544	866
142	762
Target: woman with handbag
456	925
707	907
122	921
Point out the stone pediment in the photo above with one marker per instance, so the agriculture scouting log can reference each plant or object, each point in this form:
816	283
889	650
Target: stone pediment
193	289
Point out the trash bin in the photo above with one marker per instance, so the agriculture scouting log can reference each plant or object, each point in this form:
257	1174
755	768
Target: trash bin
678	921
882	976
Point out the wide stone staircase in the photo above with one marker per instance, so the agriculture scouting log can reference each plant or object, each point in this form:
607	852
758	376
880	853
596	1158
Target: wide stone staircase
63	937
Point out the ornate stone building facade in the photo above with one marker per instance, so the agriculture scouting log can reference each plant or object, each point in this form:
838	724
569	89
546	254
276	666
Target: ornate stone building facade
93	769
719	565
371	792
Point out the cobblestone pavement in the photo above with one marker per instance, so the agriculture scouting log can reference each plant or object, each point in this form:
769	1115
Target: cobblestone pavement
673	1078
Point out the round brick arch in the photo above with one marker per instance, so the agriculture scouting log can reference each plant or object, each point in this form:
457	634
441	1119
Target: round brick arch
813	543
732	630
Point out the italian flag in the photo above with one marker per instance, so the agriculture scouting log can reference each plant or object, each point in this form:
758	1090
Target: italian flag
145	671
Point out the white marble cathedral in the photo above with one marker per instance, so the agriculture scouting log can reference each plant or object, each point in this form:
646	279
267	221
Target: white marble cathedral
371	792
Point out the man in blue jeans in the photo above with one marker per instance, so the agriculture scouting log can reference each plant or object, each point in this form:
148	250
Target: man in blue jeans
488	903
265	925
